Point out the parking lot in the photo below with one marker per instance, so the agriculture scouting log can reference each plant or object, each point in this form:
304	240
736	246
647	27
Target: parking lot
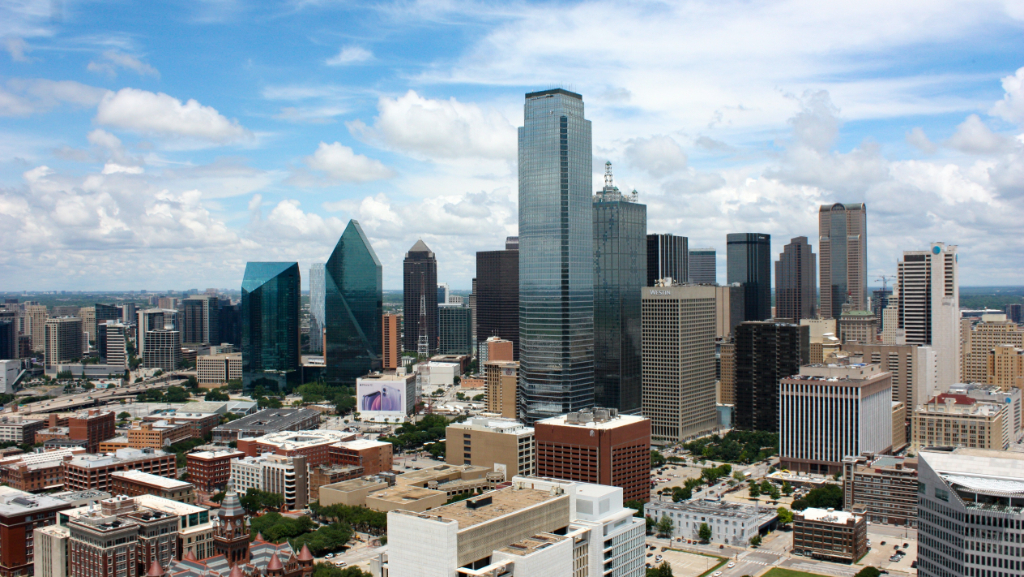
683	564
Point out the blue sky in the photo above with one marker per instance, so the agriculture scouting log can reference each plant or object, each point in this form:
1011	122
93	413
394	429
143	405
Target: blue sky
163	144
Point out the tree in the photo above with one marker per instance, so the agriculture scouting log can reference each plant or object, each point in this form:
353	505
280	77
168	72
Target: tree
665	526
775	494
650	525
787	489
822	497
704	532
124	415
478	398
868	572
175	395
739	476
657	459
216	395
785	516
755	541
838	476
218	497
766	487
328	570
636	506
663	570
755	490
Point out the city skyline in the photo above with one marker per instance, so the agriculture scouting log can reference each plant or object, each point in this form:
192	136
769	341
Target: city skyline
254	152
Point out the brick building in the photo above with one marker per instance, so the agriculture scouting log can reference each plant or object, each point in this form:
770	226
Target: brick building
373	456
199	423
311	444
93	426
36	471
599	447
20	429
158	434
119	539
134	483
209	471
85	472
830	535
327	474
20	514
266	422
884	486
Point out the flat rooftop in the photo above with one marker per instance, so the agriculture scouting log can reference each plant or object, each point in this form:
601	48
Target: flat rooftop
826	516
507	426
503	502
300	439
438	472
269	420
717	508
356	484
360	444
590	423
120	456
15	502
150	479
532	544
404	494
167	505
232	453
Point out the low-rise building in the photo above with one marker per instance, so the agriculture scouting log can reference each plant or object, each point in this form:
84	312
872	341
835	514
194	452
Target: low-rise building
353	492
373	456
502	445
330	474
15	428
195	525
954	420
830	535
989	393
883	486
84	472
730	523
265	422
158	434
312	444
199	423
20	514
219	369
134	483
286	476
36	471
210	471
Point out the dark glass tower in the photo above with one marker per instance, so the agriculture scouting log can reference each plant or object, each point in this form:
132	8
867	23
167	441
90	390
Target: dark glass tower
420	279
620	267
796	281
230	319
668	255
749	262
455	330
353	305
270	324
765	353
497	296
556	257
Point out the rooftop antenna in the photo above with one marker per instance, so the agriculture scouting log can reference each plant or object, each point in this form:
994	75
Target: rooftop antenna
608	175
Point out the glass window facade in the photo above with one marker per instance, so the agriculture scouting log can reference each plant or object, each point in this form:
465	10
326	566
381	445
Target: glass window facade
353	308
749	262
497	297
455	330
667	256
270	324
556	256
317	307
419	271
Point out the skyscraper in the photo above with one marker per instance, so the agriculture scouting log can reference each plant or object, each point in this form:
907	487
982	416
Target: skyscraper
455	330
229	317
420	279
202	326
843	251
354	306
765	353
749	263
620	245
796	281
63	340
667	256
148	320
497	295
701	266
317	307
391	354
556	256
270	324
929	305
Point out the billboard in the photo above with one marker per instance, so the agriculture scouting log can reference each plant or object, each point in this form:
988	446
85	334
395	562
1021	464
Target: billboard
379	399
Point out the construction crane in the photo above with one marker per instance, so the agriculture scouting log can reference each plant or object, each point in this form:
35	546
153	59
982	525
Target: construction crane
885	279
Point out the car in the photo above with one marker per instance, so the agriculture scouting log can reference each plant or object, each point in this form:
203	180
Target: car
717	574
657	559
905	545
897	547
882	543
328	556
730	565
650	554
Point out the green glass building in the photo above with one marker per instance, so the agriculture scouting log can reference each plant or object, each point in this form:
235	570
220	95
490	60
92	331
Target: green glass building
270	324
353	308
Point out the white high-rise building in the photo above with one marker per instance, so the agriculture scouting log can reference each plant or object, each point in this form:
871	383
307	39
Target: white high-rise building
929	306
317	306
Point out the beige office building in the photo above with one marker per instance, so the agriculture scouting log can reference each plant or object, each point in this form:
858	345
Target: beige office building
1005	367
979	340
823	339
727	373
88	316
219	369
678	342
952	420
842	257
502	445
858	327
35	326
502	380
913	369
391	336
63	338
929	306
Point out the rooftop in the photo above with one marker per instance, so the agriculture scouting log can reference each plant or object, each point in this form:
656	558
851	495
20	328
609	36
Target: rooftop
167	505
507	426
598	419
532	544
439	472
404	494
829	516
360	444
717	508
355	484
15	502
300	439
120	456
503	502
269	420
150	479
232	453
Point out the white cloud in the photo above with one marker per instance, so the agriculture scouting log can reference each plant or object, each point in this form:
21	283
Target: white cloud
349	55
112	60
1011	107
339	163
113	168
659	155
158	114
17	48
919	140
438	129
974	137
30	96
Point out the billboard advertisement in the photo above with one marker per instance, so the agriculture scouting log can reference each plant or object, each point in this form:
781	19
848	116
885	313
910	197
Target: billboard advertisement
379	399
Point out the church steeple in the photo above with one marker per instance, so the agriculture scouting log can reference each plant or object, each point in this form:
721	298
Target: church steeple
231	533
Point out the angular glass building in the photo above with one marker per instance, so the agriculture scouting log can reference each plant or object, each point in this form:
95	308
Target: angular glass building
317	307
556	257
749	263
620	269
270	324
353	305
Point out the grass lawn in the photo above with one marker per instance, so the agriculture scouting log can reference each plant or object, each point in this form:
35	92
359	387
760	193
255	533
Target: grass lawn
780	572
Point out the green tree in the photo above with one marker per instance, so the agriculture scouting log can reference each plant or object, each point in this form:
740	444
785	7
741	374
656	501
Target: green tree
328	570
775	494
216	396
665	526
755	490
766	487
787	489
663	570
650	525
478	398
636	506
785	516
218	497
704	532
175	395
124	415
822	497
755	541
657	459
868	572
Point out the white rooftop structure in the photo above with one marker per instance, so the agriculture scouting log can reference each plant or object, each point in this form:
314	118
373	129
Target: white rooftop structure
360	444
597	419
829	516
496	425
151	479
300	439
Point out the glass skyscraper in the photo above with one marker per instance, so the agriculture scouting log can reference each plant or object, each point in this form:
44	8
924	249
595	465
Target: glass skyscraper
353	305
749	263
667	256
419	278
317	307
620	269
270	324
556	257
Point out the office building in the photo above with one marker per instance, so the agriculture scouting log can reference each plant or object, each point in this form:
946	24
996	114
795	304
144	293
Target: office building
373	457
796	282
202	326
219	369
163	350
63	340
968	521
15	428
702	267
147	320
1005	367
106	313
620	248
830	535
502	445
502	382
726	391
391	341
730	523
454	330
823	338
286	476
113	343
843	256
135	483
929	306
354	305
679	361
36	317
120	540
270	324
9	338
879	301
312	444
20	514
88	316
957	420
668	256
420	303
556	252
157	435
980	339
229	317
766	352
749	263
913	369
266	422
857	326
597	446
86	472
36	472
497	295
497	349
209	471
317	307
1015	313
729	309
827	412
884	487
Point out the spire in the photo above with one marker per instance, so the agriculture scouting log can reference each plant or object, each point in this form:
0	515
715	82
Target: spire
275	563
259	536
236	571
155	570
190	556
305	554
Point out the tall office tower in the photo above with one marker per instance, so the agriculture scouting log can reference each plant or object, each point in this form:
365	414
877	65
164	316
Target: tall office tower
354	305
271	301
620	247
163	350
749	263
497	296
472	314
1015	313
929	301
88	316
766	353
796	282
35	325
128	313
420	279
113	343
880	300
317	307
63	340
556	265
229	317
971	519
679	361
668	256
106	313
843	255
148	320
391	341
202	325
443	292
454	330
8	338
701	266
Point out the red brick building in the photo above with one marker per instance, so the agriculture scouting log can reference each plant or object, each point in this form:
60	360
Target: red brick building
84	472
199	423
373	456
209	471
597	447
313	445
36	471
93	426
20	514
